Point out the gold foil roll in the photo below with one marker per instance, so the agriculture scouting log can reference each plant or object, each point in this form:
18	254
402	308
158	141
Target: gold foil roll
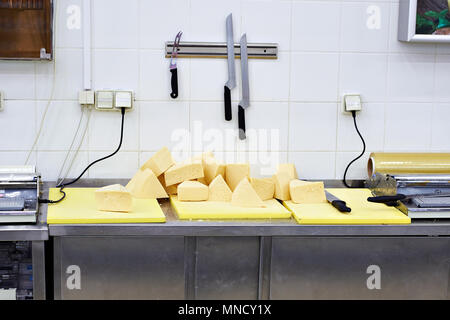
409	163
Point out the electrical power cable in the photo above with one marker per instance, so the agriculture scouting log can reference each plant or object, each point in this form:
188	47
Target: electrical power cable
357	158
61	186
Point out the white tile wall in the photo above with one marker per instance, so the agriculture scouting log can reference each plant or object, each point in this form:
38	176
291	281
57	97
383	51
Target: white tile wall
327	48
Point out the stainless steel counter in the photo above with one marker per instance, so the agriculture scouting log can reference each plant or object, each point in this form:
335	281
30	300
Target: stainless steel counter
275	259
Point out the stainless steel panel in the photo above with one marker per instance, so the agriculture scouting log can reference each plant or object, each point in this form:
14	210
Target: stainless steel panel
336	268
227	268
38	258
122	267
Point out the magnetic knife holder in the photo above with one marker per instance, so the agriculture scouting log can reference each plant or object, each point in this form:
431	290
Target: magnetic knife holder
219	50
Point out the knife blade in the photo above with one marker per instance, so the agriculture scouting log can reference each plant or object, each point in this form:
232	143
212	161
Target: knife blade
401	197
245	102
337	203
231	83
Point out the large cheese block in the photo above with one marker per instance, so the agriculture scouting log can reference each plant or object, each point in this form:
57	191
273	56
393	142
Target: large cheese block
171	190
235	172
212	169
114	198
159	162
145	185
307	192
219	190
245	196
185	171
192	191
265	188
289	168
282	180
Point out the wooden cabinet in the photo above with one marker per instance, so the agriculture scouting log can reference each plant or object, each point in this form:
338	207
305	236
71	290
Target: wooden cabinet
26	29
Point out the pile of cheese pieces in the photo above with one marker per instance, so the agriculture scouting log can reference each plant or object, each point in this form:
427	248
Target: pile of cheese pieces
203	178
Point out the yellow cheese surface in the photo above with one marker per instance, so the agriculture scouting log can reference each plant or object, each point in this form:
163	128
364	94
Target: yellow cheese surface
183	172
192	191
214	210
145	185
265	188
307	192
245	196
219	190
282	180
235	172
159	162
290	169
212	169
80	207
114	198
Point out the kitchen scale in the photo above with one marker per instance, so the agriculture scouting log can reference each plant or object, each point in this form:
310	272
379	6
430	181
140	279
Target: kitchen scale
19	194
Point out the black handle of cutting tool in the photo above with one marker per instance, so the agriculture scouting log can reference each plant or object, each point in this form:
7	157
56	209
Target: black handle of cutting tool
341	206
227	98
387	199
174	83
242	134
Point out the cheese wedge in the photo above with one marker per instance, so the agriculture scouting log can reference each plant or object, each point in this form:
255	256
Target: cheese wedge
145	185
245	196
192	191
265	188
282	180
203	180
219	190
159	162
235	173
170	190
289	168
114	198
213	169
185	171
307	192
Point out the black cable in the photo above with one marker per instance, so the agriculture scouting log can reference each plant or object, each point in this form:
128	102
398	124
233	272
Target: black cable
63	185
360	156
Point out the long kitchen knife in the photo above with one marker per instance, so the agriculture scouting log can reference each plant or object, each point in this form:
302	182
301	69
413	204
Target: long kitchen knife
337	203
401	197
245	102
231	84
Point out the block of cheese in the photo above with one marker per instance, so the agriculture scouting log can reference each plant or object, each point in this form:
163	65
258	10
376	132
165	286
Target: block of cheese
114	198
184	171
307	192
265	188
235	172
145	185
203	180
290	169
282	180
159	162
212	169
245	196
192	191
171	190
219	190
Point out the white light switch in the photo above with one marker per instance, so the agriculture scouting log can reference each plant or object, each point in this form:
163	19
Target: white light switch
104	100
86	98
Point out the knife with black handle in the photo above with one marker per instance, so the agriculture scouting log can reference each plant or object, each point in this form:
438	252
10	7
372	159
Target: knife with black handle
337	203
245	102
174	83
231	84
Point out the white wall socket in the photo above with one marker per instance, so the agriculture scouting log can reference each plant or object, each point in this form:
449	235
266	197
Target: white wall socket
86	98
104	100
351	102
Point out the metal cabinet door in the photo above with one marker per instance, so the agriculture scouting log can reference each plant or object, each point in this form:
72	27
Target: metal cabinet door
353	268
227	268
119	268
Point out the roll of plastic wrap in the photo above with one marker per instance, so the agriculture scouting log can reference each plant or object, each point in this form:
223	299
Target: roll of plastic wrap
409	163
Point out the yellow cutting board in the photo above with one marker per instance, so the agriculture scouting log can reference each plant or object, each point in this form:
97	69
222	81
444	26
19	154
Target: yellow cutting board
79	207
211	210
363	212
